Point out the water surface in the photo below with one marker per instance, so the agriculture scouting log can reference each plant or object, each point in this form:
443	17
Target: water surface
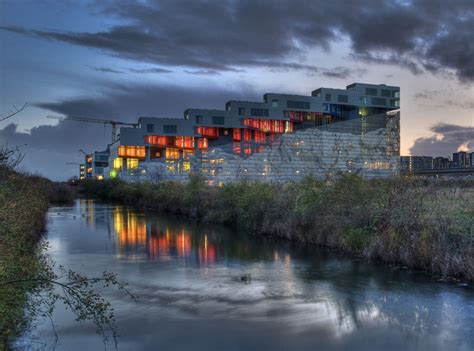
191	297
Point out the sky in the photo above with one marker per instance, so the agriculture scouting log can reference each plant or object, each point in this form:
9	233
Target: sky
124	59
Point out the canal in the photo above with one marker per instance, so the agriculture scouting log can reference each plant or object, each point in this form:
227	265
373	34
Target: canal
191	296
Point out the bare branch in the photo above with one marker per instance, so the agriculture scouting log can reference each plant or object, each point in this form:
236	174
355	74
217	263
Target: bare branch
13	112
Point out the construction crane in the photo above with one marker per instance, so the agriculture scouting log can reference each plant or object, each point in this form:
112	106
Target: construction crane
112	122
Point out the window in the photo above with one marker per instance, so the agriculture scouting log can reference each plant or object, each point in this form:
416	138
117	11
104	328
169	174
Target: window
396	94
386	93
218	120
328	97
379	101
302	105
371	91
326	107
342	98
363	100
198	119
274	103
395	103
241	111
132	163
118	163
172	154
131	151
170	128
150	128
260	112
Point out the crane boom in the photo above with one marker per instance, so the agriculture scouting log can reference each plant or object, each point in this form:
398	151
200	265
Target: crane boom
112	122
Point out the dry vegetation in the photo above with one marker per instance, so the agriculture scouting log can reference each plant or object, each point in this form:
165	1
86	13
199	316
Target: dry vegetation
423	224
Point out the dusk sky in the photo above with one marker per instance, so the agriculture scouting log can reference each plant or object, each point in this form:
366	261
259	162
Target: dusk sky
125	59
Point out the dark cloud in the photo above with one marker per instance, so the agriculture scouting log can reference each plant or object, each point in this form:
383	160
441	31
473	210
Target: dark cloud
105	69
341	72
447	138
435	95
433	35
427	95
50	147
210	72
149	70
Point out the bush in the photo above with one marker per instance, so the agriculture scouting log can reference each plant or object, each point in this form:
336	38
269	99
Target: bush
420	223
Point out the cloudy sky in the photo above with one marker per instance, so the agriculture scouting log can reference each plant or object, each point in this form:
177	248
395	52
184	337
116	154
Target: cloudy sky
124	59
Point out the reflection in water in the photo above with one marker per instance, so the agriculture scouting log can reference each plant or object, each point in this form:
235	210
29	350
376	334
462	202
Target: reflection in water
187	277
141	237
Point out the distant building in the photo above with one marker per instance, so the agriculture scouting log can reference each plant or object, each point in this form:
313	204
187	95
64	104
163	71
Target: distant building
441	163
409	164
82	171
461	159
97	164
471	159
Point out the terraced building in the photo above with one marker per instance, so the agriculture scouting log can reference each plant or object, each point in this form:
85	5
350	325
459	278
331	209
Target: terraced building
282	138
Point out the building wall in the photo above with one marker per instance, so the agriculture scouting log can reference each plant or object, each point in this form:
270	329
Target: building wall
369	146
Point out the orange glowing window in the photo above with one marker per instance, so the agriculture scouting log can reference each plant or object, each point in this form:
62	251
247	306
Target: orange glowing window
202	143
184	142
131	151
156	140
236	134
187	154
248	150
172	154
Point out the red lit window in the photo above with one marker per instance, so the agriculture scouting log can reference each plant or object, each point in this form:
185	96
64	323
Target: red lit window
247	135
259	137
248	150
236	134
208	132
236	148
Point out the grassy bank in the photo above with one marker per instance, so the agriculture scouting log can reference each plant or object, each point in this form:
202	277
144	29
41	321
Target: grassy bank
24	201
421	224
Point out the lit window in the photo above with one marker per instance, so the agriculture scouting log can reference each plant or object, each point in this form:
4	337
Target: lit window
118	163
274	103
131	151
186	167
172	154
132	163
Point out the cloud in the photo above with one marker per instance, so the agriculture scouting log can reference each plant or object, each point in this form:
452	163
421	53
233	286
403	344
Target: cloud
50	147
149	70
447	138
202	72
418	35
105	69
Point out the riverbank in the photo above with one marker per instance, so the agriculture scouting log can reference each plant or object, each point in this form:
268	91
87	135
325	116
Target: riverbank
24	200
420	224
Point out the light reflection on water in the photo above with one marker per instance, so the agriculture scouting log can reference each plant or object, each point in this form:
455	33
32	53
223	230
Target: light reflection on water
191	297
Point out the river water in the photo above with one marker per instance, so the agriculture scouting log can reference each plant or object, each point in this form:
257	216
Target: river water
191	296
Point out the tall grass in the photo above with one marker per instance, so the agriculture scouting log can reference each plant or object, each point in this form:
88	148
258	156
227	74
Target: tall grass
24	201
423	224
